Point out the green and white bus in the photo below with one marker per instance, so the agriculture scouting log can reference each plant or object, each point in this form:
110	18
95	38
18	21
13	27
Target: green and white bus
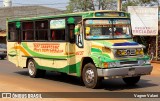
91	45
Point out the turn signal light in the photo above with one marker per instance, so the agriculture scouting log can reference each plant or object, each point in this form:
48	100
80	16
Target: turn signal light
105	64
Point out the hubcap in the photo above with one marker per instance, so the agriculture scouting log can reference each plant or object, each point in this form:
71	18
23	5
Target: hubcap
31	68
89	75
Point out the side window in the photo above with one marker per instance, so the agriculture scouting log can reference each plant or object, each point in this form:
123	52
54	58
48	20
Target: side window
57	29
12	33
58	34
28	30
41	30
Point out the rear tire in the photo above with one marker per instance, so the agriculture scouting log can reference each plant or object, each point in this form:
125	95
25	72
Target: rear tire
90	77
131	80
33	71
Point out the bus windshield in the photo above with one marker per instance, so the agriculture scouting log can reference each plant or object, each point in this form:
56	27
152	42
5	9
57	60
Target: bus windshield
107	28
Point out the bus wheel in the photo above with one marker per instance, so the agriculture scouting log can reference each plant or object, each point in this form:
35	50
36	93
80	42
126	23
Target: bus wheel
33	71
90	76
131	80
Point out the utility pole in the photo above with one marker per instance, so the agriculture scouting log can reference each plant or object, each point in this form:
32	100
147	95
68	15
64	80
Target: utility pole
119	5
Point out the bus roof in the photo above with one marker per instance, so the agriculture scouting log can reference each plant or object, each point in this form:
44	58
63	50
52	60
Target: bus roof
88	14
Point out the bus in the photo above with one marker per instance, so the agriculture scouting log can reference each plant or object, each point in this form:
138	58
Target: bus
92	45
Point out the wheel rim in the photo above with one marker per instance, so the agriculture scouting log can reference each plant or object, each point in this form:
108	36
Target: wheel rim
89	75
31	68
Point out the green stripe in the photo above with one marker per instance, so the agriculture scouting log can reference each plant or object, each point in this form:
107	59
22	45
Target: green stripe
95	50
75	68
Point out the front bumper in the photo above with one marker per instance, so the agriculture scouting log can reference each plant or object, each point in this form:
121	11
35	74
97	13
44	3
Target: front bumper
125	71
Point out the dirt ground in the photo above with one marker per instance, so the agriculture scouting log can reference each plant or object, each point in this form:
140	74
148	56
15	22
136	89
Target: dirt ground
156	69
6	86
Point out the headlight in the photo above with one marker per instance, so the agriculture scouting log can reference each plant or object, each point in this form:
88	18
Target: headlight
129	52
124	52
139	52
121	52
118	52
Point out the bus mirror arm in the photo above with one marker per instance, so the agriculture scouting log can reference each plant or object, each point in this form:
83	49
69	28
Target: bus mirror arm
77	29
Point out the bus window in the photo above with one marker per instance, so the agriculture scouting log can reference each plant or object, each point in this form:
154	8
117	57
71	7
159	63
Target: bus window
28	35
27	25
42	30
58	34
28	30
12	35
118	31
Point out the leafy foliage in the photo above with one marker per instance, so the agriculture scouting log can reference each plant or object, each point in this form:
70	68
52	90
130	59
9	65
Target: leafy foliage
91	5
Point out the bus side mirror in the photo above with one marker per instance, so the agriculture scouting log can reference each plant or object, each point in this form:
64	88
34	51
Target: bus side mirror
77	29
79	41
78	34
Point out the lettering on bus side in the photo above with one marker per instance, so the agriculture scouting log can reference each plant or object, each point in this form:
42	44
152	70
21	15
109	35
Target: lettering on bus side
50	48
79	52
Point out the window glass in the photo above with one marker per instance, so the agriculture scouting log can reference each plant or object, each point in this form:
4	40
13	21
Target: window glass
58	34
41	34
42	24
28	35
121	28
12	33
107	28
27	25
57	31
28	30
98	29
41	30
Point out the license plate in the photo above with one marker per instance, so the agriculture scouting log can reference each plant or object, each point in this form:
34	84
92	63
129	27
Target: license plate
132	52
131	71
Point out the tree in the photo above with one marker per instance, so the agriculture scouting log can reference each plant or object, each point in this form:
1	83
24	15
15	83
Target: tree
91	5
149	2
139	3
129	3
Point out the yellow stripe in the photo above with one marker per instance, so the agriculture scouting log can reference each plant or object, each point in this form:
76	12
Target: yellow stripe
22	50
96	46
117	41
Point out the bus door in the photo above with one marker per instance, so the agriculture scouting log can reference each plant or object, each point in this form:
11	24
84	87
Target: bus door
70	50
71	47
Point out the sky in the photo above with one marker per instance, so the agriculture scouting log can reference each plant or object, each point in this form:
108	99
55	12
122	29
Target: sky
59	4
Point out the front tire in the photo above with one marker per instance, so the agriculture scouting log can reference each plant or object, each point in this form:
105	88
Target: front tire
131	80
33	71
90	77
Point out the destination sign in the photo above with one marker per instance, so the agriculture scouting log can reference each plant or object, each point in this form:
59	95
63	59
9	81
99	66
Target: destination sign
110	14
